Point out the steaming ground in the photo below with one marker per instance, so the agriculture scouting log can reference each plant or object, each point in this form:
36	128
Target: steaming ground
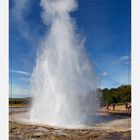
107	126
64	84
104	122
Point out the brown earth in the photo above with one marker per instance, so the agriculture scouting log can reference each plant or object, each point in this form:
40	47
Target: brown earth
25	131
32	132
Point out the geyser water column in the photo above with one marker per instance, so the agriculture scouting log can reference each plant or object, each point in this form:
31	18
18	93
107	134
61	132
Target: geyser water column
63	80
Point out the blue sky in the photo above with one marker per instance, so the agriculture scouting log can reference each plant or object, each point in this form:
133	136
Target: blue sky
105	25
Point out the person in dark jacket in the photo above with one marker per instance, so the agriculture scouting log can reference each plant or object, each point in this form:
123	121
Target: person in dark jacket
126	106
113	105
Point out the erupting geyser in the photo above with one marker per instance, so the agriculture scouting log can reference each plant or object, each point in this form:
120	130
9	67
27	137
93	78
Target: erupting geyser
63	81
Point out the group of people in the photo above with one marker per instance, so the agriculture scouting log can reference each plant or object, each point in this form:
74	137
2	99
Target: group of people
108	105
127	106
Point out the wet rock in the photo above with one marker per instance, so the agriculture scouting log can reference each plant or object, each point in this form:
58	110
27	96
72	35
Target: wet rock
41	129
37	135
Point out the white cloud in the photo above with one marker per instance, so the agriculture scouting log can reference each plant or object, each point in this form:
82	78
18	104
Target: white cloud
125	59
24	79
20	72
104	74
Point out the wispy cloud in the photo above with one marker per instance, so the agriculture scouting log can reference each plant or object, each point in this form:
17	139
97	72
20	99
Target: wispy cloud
20	72
104	74
22	79
125	59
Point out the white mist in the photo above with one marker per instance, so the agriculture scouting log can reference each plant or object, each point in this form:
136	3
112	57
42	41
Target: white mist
63	80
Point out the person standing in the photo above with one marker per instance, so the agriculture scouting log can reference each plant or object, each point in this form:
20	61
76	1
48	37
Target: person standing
126	106
113	106
107	106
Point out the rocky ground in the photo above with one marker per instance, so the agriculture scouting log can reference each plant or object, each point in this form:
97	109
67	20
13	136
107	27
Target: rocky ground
114	130
33	132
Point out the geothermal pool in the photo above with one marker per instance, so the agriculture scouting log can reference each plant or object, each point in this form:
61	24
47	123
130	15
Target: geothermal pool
105	120
106	127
